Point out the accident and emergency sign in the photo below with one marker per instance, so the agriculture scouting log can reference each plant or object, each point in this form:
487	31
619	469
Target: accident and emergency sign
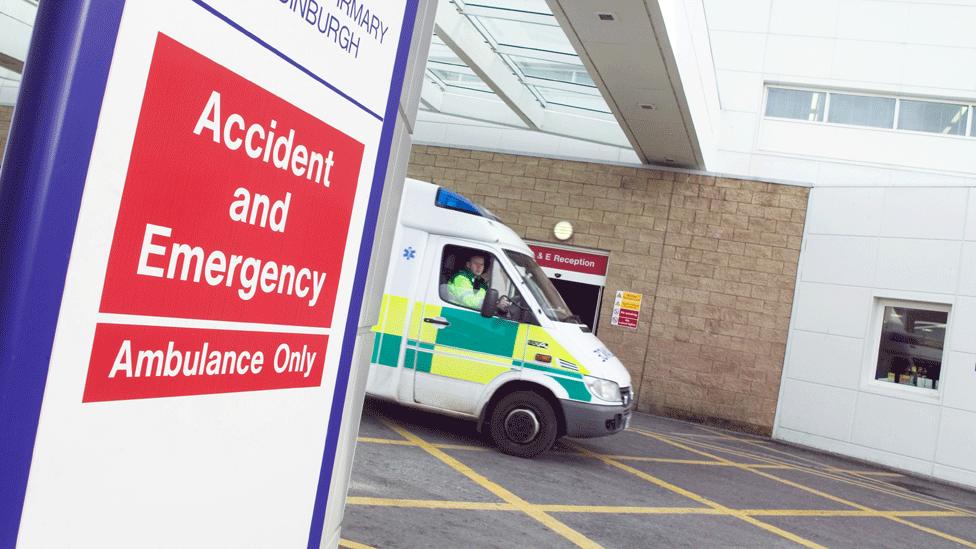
194	388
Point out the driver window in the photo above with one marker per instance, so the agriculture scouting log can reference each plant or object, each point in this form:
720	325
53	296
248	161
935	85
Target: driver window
468	273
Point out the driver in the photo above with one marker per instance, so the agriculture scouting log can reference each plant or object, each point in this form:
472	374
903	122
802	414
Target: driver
468	287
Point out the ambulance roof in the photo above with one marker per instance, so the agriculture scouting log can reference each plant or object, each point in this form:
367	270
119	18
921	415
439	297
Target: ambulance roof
437	210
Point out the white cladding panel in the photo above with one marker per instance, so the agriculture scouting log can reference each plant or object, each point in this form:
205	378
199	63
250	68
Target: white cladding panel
918	265
865	247
957	439
816	409
831	309
960	384
895	425
825	359
967	275
924	213
839	259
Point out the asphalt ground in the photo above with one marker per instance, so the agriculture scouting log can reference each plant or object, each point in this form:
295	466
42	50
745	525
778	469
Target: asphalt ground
425	480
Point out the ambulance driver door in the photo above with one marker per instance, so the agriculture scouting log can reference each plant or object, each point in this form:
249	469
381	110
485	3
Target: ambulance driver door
467	351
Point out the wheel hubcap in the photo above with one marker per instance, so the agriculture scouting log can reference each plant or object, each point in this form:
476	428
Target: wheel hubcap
521	425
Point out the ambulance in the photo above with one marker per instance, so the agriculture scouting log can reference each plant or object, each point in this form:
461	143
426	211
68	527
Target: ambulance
516	361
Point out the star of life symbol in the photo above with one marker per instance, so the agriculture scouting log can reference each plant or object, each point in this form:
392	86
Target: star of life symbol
409	253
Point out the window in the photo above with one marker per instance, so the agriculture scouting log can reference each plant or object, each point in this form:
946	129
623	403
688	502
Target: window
928	116
467	274
898	113
797	104
541	287
862	110
910	350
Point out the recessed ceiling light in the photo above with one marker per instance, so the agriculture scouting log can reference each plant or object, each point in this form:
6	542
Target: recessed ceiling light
606	17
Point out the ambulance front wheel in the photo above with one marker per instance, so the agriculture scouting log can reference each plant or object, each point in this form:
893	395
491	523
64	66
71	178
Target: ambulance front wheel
523	424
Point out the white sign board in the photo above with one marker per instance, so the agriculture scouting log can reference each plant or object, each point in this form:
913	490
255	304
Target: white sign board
201	331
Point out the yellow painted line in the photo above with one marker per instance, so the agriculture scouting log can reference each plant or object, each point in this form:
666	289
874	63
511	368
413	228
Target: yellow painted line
846	513
522	505
461	447
720	437
700	499
868	484
398	442
866	473
373	440
623	509
693	462
348	544
816	492
634	510
431	504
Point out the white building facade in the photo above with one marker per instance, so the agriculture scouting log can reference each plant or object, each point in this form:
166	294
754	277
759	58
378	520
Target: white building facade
871	104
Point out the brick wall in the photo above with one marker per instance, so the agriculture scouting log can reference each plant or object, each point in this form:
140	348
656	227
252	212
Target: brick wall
6	113
714	257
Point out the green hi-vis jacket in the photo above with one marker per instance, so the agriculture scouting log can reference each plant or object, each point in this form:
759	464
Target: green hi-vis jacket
467	289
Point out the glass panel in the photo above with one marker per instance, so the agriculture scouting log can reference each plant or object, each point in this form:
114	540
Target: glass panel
862	110
459	77
464	276
910	351
441	53
925	116
519	34
530	6
552	70
796	104
590	102
541	287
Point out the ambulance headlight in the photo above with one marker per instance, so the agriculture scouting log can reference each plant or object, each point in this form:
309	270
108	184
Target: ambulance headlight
603	389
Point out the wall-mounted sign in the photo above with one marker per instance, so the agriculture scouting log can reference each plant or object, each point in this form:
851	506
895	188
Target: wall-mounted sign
571	263
626	309
227	159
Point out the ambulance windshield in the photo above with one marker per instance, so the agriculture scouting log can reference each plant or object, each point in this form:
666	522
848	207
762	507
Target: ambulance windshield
539	285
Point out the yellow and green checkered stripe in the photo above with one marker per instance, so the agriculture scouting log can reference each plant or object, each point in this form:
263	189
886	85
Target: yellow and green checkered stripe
477	349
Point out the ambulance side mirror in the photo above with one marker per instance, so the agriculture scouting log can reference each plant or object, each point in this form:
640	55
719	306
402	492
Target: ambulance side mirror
490	305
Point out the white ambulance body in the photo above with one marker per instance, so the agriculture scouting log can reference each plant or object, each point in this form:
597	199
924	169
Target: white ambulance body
521	364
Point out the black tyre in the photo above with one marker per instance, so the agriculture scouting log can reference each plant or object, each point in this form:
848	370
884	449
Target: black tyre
523	424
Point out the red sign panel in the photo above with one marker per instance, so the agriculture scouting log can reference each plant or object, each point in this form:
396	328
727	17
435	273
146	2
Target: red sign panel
570	260
130	362
236	207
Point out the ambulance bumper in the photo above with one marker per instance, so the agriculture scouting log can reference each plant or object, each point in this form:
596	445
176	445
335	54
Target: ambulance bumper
593	420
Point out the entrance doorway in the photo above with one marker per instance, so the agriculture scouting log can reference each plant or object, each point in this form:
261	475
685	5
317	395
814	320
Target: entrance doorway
579	274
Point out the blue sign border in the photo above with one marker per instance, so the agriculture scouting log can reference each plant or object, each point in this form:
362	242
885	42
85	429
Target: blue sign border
51	139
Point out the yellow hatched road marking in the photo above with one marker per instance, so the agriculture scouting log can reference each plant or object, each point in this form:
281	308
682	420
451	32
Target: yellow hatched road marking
868	484
636	510
431	504
846	513
696	462
810	490
374	440
348	544
397	442
700	499
866	473
524	506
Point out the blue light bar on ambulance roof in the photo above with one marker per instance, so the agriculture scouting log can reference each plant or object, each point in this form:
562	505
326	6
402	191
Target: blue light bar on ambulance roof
454	201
